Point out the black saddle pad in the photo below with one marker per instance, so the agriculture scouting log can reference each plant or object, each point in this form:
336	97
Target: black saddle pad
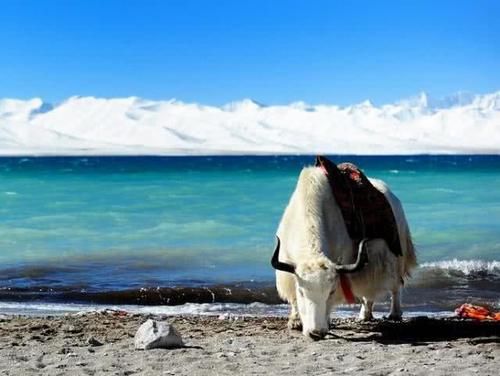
366	211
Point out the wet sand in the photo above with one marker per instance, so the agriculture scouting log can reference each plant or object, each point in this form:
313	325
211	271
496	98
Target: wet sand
246	346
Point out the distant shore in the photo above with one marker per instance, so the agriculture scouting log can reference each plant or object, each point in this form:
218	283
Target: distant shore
228	344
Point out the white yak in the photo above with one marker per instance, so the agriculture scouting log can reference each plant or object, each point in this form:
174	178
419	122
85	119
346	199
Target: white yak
314	252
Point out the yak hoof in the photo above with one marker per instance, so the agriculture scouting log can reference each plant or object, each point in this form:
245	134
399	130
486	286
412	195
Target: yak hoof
294	324
365	318
395	317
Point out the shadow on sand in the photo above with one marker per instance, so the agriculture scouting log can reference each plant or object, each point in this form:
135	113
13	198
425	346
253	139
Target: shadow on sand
417	331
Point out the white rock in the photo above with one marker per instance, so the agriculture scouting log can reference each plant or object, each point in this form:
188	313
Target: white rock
154	334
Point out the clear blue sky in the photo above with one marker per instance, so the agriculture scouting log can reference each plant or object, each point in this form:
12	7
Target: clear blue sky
273	51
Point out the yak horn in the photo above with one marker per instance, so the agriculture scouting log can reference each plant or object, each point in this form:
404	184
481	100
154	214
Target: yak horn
278	265
360	262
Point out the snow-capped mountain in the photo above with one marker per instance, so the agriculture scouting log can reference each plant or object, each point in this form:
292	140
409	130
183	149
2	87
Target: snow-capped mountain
461	123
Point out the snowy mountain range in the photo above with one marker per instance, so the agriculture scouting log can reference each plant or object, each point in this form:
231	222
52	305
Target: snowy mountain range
462	123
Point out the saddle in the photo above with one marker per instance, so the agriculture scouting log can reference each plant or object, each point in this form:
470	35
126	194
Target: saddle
366	211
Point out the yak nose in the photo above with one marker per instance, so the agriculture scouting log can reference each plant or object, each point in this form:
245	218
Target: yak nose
317	334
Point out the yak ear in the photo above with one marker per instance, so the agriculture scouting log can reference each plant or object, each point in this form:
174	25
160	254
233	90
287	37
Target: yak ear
358	264
278	265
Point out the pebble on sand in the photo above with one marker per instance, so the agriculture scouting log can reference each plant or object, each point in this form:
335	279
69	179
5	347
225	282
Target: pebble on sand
92	341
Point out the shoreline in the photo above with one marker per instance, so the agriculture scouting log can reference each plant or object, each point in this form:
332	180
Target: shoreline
40	309
58	345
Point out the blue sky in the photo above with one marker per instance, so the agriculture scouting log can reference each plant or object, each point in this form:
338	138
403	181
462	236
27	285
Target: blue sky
275	52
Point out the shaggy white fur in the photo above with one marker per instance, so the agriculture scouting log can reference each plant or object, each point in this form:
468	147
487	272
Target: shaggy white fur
314	239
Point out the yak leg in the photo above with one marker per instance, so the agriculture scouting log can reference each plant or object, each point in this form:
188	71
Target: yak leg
285	284
294	318
396	312
366	311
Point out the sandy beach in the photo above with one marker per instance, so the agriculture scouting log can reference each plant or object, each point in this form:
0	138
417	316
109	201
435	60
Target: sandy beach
228	345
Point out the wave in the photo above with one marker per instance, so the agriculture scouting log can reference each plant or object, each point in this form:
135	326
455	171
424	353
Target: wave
225	309
262	293
466	267
231	311
450	283
435	286
457	272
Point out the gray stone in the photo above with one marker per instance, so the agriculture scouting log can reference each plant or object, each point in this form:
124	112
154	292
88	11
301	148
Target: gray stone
154	334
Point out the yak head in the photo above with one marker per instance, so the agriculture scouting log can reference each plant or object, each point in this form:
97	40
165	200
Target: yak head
316	283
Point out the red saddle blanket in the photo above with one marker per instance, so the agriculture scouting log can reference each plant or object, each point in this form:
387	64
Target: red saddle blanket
366	211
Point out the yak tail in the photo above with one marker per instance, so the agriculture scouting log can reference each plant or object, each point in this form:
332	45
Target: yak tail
409	255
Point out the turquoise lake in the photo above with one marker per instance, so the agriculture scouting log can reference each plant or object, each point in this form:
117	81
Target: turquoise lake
115	223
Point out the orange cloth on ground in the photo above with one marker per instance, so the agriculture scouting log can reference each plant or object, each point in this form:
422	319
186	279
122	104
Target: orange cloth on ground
469	311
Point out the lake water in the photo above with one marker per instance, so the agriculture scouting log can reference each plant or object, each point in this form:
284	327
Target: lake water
174	230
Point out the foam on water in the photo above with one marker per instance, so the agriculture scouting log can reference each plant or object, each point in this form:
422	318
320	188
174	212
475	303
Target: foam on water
227	310
467	267
253	309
